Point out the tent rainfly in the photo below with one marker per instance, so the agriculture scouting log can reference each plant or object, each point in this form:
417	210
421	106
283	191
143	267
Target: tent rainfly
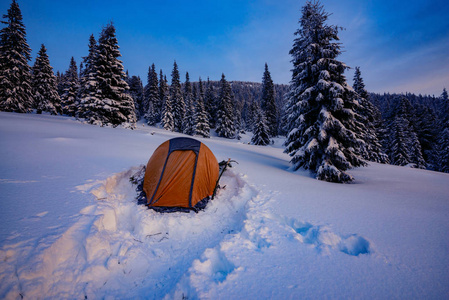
181	173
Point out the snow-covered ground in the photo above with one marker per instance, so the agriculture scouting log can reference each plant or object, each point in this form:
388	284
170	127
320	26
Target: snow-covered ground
70	226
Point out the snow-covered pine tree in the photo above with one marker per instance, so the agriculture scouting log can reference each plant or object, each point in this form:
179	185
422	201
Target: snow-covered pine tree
60	83
88	83
188	121
261	131
225	112
15	76
321	106
136	92
177	100
359	85
188	90
268	103
372	149
45	90
427	130
168	120
239	123
201	119
209	103
251	113
163	89
115	105
399	153
404	146
69	97
152	101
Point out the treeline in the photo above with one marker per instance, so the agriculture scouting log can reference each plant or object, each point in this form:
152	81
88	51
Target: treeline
329	127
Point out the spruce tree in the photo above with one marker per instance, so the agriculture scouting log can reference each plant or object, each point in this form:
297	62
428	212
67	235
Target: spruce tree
188	122
15	73
114	106
209	103
372	148
399	152
261	130
177	100
69	97
60	83
359	85
268	103
152	107
168	120
225	113
137	94
201	127
88	83
321	106
427	130
404	146
163	89
45	90
251	113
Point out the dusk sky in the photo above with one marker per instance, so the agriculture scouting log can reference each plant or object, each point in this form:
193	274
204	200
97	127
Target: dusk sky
400	46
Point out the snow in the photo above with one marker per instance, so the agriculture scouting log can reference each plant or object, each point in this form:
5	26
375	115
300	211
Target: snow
71	228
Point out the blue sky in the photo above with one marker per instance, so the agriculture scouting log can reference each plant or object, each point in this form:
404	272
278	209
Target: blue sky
400	46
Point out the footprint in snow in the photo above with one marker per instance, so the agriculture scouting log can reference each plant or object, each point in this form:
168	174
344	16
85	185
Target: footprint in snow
323	239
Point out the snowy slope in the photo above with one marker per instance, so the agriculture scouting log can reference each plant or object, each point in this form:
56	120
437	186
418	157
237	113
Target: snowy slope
70	227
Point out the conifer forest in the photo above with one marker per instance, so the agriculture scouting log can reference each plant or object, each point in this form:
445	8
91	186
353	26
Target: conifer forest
330	123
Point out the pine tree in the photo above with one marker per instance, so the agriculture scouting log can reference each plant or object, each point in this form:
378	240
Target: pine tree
163	89
427	132
15	76
69	97
399	154
404	146
251	113
261	130
152	97
88	83
189	122
201	119
359	85
137	94
168	120
321	106
45	90
225	113
60	83
209	103
114	106
268	103
177	99
372	148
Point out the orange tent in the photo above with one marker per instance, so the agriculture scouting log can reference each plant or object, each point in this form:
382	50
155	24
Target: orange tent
182	172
